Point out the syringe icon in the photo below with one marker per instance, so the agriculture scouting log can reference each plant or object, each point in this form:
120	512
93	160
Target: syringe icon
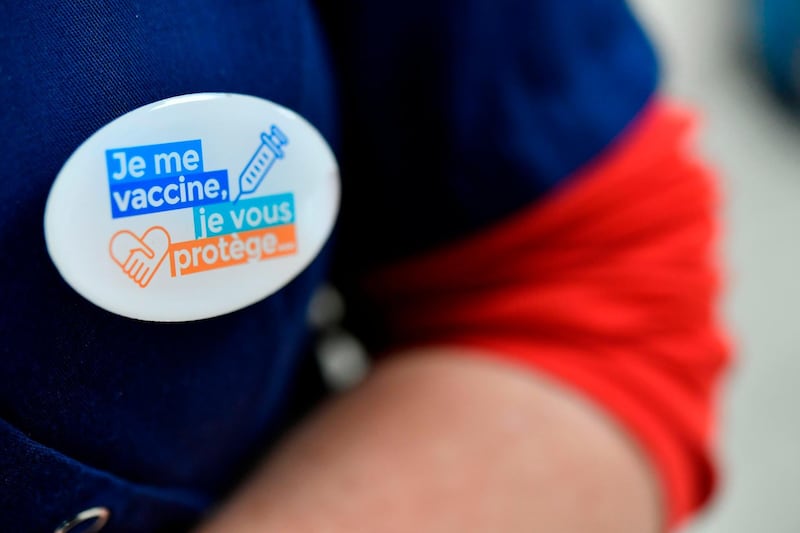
256	170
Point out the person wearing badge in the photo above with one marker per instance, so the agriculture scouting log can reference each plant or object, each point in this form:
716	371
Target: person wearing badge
522	242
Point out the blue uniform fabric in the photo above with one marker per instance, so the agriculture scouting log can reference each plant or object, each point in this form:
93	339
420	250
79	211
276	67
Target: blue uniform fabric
446	116
458	113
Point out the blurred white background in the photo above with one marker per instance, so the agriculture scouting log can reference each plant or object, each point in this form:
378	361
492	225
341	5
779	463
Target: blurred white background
708	61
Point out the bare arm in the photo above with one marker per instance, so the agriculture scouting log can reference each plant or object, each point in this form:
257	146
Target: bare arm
439	441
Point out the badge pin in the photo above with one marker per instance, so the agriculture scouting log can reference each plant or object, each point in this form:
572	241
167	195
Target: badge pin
192	207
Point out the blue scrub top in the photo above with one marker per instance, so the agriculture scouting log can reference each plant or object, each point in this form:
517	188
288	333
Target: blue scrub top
446	116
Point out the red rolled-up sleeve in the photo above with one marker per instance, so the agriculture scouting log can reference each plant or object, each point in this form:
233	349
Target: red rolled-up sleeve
609	285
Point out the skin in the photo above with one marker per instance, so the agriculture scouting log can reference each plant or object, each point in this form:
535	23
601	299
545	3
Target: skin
442	441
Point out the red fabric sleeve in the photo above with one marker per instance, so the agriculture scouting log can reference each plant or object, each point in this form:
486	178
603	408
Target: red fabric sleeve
608	285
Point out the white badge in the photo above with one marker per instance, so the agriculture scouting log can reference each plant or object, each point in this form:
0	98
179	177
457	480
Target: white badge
192	207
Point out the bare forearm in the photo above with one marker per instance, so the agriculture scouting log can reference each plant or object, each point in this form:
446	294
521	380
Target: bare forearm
439	442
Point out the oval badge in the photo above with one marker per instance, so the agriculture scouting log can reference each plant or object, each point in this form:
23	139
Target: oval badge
192	207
